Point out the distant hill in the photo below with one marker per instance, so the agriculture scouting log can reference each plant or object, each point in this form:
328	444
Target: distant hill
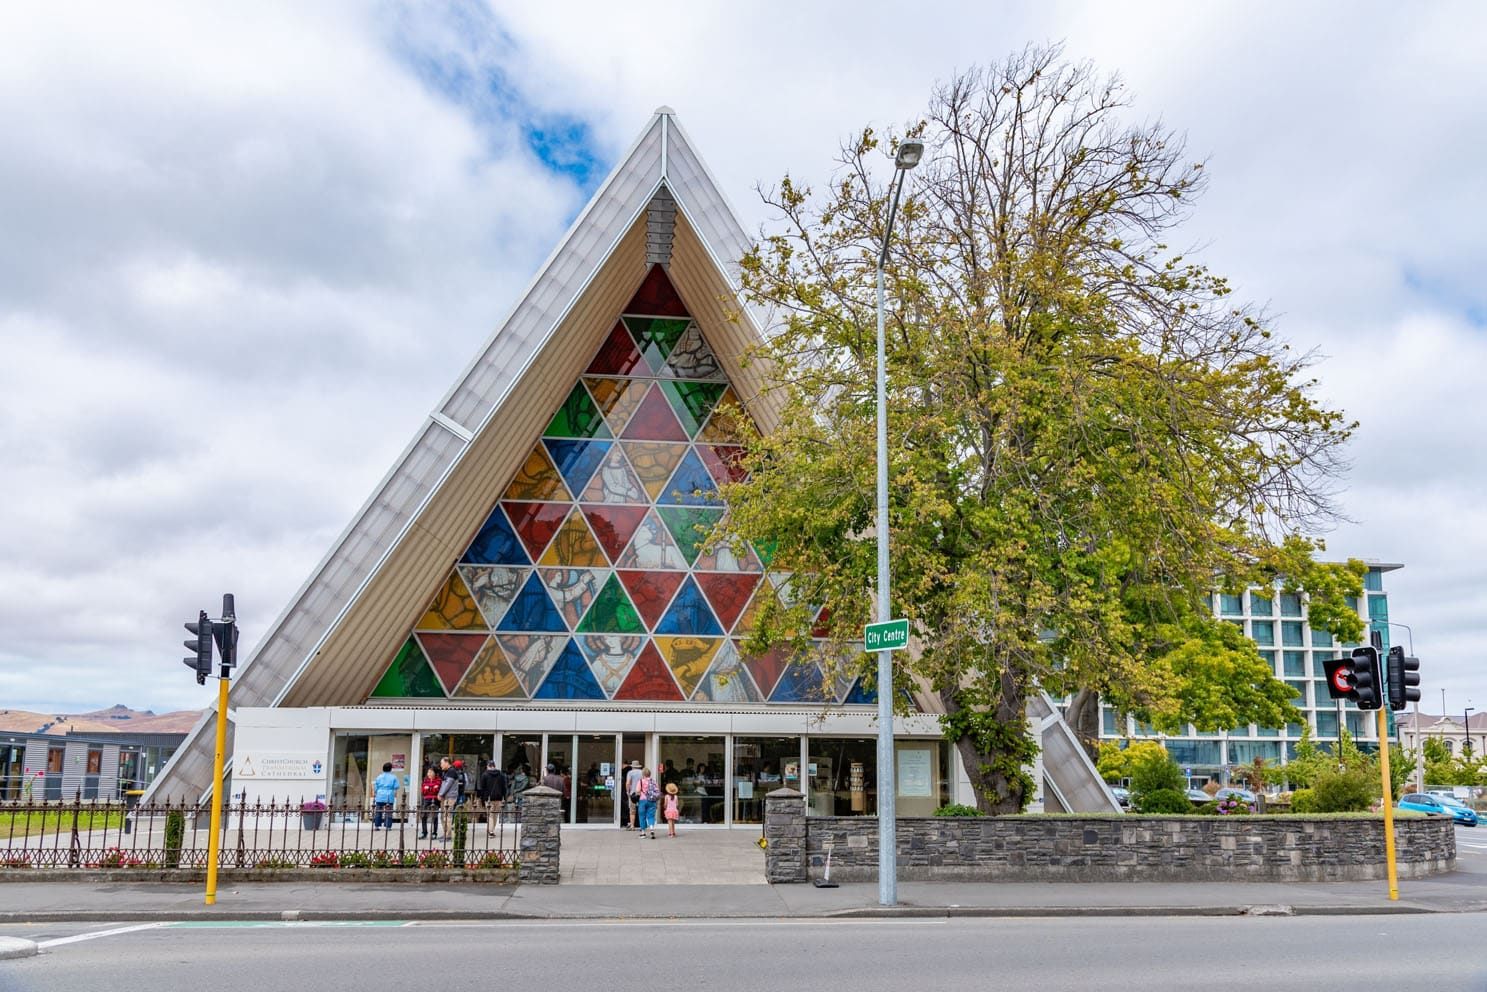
113	720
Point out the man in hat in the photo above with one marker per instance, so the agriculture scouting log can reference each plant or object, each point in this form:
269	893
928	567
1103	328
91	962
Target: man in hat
632	794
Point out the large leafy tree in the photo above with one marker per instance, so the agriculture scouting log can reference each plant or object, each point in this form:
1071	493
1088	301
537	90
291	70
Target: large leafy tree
1087	433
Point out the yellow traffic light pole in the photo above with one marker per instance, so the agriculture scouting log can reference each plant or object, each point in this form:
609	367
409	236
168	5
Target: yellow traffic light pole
1388	807
215	843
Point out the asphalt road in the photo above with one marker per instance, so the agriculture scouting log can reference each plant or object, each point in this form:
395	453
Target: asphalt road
1441	952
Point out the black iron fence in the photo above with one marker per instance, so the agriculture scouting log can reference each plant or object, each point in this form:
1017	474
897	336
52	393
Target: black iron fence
257	835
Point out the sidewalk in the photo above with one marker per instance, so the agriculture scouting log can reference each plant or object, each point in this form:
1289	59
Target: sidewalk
40	902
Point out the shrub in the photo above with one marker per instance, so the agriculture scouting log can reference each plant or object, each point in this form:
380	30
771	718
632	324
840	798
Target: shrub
433	859
492	859
1350	791
175	830
1163	801
325	859
461	836
957	809
115	858
1304	801
1232	806
274	862
356	859
1155	771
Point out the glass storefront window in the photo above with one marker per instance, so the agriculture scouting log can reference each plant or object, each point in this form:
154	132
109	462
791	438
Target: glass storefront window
841	775
358	759
921	778
696	765
473	749
760	766
522	754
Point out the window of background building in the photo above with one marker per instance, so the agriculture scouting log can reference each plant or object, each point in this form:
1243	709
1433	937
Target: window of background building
12	770
1378	608
1108	723
1191	753
1291	634
1269	658
1374	580
1300	701
1263	633
1295	664
1355	724
55	756
1320	638
1290	604
1231	606
1326	723
1245	752
1261	606
1240	731
922	776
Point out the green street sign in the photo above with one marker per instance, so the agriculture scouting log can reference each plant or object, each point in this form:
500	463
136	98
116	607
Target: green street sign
890	635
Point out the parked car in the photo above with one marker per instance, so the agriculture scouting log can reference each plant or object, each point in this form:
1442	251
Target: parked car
1229	792
1439	805
1122	796
1199	797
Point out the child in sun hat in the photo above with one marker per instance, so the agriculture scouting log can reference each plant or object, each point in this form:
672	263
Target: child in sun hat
671	809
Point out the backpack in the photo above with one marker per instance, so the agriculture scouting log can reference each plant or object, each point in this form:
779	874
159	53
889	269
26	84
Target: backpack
498	784
466	783
651	789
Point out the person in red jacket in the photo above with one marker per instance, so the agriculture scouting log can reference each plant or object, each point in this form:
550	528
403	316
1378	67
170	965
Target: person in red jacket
429	790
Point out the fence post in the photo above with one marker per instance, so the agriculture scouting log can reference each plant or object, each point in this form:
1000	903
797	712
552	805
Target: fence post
784	832
74	848
540	848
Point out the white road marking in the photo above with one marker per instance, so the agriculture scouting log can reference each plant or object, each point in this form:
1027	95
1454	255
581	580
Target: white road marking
690	923
59	941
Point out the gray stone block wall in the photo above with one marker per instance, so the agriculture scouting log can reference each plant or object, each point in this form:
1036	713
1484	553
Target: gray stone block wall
1113	848
785	834
540	846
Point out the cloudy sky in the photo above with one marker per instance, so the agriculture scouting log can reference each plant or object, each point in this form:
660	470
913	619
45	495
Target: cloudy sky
244	249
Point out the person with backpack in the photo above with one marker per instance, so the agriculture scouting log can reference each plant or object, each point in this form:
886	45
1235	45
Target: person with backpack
649	791
492	790
632	796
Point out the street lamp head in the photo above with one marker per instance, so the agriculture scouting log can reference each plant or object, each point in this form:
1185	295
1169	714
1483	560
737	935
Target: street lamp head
909	154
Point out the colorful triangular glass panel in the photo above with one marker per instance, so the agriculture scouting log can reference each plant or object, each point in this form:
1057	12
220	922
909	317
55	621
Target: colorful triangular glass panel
532	655
689	526
652	547
496	544
494	587
649	679
691	484
576	460
724	461
860	695
692	358
653	420
537	479
724	557
730	423
689	613
653	462
657	296
532	609
409	676
611	612
453	608
763	595
574	545
613	526
490	676
451	655
536	523
611	656
569	678
578	417
691	401
651	591
728	592
617	399
572	590
766	551
766	667
727	680
615	482
802	682
688	658
619	356
656	336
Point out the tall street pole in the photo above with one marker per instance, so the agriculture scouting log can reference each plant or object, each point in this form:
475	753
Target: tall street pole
909	153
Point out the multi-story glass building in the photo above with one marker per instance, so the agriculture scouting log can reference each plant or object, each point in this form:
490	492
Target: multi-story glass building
1277	622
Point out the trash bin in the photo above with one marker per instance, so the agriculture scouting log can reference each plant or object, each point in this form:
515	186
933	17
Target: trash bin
132	797
312	814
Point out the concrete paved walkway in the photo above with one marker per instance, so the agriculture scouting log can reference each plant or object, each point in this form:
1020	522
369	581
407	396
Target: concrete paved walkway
612	856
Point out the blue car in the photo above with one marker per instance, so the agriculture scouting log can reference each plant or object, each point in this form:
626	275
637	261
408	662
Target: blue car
1439	805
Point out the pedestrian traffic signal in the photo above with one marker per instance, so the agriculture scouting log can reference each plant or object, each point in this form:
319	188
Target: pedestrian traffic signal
200	647
1367	687
1403	676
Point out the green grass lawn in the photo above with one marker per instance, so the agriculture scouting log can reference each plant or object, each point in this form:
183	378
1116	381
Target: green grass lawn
57	820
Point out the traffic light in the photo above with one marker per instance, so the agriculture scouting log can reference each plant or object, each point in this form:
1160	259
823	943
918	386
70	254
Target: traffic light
201	647
1366	680
1339	678
1403	676
225	633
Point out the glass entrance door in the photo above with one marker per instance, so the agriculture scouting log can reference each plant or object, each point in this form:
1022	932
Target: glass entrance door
594	784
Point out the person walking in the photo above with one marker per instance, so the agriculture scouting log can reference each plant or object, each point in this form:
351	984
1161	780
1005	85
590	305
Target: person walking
428	817
493	789
632	795
649	791
384	794
671	809
449	793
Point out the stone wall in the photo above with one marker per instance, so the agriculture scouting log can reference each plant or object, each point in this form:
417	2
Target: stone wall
1111	848
540	846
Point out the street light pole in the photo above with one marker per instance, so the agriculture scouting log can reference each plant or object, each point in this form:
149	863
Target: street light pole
909	153
1466	728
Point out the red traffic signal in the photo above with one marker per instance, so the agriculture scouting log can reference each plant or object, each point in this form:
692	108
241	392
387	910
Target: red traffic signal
1339	678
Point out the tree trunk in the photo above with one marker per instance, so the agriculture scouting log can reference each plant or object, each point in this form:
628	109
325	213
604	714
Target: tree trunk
1083	717
999	790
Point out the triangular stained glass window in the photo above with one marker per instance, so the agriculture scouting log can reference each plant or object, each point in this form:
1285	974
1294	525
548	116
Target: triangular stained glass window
651	591
532	610
689	613
611	613
653	462
656	336
573	590
574	545
689	527
691	484
611	656
727	680
617	399
688	658
409	676
692	358
649	679
654	420
723	461
536	523
613	526
576	460
569	678
652	547
725	557
490	676
494	587
656	296
691	401
538	479
763	595
860	695
615	482
453	608
531	655
578	417
497	543
730	422
618	355
728	593
766	667
802	682
451	655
